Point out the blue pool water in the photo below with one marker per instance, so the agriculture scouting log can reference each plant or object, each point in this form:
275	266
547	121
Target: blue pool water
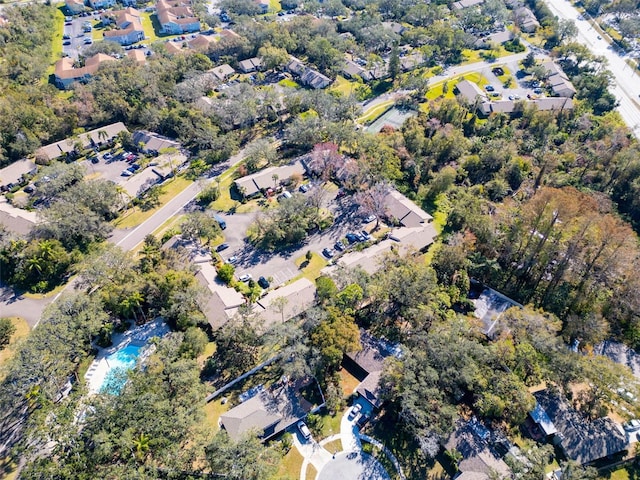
119	363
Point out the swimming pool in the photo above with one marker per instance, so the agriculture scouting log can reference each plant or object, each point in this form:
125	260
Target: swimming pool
118	363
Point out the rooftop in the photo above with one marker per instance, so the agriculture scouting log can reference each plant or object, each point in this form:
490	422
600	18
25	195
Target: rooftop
298	295
92	137
254	183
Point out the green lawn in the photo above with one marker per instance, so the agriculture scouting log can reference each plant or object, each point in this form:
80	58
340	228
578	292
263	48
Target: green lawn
274	6
334	446
310	270
135	216
22	330
436	90
290	466
56	46
287	82
374	112
379	455
343	86
225	203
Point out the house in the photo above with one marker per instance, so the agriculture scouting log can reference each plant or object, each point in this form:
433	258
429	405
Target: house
100	4
74	7
175	47
16	219
367	365
263	5
66	74
526	20
307	76
552	103
411	61
394	27
269	412
497	38
255	183
223	301
470	91
15	173
352	70
404	212
91	139
297	297
462	4
149	142
202	43
475	443
128	27
222	72
558	81
489	307
581	439
137	56
176	17
250	65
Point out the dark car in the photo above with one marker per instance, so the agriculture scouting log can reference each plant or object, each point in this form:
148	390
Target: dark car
94	159
339	246
304	188
66	42
29	189
489	88
263	282
66	36
341	193
351	237
221	247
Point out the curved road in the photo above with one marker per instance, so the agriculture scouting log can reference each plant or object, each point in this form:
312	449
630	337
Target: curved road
626	86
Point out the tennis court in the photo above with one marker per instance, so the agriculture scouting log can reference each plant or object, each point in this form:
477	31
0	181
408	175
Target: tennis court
394	117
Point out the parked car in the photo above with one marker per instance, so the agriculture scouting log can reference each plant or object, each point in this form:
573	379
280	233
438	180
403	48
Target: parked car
107	156
537	91
232	260
304	188
341	193
94	159
632	425
339	246
304	430
66	36
126	173
327	252
370	219
351	237
365	235
263	282
221	247
66	42
245	278
360	237
489	88
29	189
355	410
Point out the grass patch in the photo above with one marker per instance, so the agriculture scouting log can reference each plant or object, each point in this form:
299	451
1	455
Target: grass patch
310	269
213	410
437	90
56	42
224	203
290	466
149	27
274	6
376	111
8	468
312	473
22	330
348	382
136	216
329	425
334	446
287	82
209	350
343	86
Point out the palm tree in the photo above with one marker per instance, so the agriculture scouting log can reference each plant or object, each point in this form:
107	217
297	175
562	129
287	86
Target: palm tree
141	443
275	179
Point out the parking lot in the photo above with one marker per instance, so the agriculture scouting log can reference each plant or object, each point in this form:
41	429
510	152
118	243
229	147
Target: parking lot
281	265
77	36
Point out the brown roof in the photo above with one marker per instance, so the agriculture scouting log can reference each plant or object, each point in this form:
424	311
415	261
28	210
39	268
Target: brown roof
137	55
405	211
64	67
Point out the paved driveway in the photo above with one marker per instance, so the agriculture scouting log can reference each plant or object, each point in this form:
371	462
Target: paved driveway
353	466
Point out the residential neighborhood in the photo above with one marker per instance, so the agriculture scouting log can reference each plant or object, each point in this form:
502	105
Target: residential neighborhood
282	240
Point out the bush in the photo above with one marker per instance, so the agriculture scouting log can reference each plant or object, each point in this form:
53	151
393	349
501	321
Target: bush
225	273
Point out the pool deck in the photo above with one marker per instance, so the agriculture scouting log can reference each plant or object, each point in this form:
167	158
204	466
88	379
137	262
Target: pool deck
138	336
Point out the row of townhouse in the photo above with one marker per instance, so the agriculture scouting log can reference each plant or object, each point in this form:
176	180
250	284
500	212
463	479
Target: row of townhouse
176	17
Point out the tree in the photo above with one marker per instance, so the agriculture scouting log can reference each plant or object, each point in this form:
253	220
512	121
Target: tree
246	459
193	342
198	225
529	61
326	289
325	160
394	62
373	201
7	329
226	272
333	337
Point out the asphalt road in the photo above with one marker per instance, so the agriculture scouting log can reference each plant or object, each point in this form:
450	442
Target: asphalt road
626	86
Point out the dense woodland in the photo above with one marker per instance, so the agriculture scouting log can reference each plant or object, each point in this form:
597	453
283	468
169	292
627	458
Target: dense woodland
541	206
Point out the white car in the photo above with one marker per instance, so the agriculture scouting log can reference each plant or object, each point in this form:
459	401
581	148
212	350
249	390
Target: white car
304	430
370	219
355	410
245	278
632	426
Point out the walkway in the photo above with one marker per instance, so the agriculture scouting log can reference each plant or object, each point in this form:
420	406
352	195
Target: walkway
351	463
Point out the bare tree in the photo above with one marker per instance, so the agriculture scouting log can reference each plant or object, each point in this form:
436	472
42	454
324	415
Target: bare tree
373	200
325	160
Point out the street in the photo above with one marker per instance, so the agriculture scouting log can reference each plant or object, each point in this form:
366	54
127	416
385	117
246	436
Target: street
626	86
